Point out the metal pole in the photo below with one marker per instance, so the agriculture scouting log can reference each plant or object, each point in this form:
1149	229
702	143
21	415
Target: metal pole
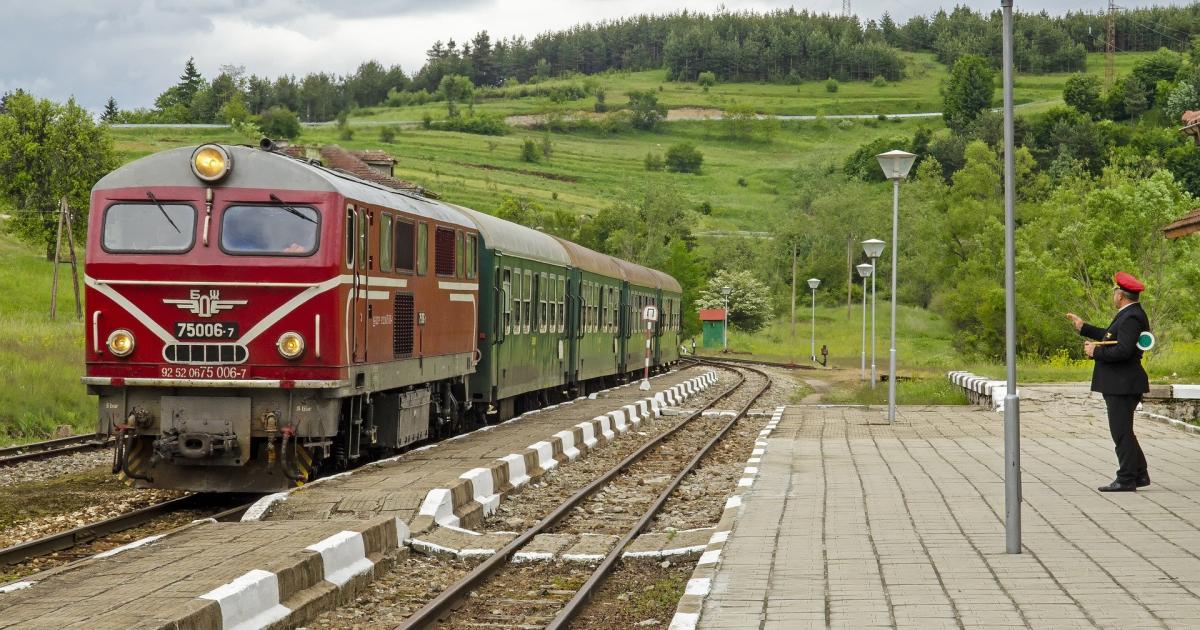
1012	402
793	294
895	248
863	354
813	328
874	343
725	327
645	386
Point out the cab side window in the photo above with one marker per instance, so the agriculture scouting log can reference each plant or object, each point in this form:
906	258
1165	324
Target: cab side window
405	247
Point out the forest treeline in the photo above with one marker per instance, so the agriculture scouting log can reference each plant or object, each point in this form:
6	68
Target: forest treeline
779	46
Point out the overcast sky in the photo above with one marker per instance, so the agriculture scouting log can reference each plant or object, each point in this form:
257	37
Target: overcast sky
134	49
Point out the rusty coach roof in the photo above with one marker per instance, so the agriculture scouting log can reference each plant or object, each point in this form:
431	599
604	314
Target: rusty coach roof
255	168
591	260
511	238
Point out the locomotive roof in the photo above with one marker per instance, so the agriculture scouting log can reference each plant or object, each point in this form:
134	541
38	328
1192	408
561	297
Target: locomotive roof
255	168
512	238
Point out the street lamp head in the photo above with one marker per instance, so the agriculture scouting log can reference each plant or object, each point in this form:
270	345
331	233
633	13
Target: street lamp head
725	291
896	163
873	247
865	270
813	283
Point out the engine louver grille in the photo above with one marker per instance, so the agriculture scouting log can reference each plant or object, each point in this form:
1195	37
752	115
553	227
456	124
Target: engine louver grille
402	326
205	353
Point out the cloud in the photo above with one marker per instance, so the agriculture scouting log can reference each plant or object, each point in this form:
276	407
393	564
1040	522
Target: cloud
134	49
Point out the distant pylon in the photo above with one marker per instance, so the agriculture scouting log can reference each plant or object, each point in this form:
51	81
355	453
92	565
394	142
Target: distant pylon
845	8
1110	46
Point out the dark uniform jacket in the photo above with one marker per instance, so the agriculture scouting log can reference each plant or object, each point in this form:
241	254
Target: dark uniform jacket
1118	367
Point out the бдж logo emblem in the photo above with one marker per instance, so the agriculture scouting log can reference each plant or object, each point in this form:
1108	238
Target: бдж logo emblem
205	305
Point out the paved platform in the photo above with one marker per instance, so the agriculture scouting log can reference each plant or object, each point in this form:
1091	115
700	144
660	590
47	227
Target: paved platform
401	487
852	524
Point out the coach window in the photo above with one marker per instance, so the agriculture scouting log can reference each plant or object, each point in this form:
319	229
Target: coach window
443	252
422	248
528	312
516	301
562	304
385	243
405	250
542	302
506	291
145	228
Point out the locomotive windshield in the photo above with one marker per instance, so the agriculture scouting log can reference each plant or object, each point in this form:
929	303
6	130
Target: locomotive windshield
270	230
149	228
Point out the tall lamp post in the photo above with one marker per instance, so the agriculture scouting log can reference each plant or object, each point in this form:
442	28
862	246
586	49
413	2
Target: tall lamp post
873	247
725	291
813	283
895	165
1012	401
864	270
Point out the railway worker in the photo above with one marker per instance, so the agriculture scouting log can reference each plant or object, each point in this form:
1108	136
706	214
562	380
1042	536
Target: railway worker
1119	376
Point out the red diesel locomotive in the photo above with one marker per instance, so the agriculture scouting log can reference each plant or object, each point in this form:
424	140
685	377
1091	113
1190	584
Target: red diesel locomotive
253	317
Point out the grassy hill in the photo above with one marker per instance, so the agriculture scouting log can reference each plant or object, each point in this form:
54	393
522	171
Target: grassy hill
41	360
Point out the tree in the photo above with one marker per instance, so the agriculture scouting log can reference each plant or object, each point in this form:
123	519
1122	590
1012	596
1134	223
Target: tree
968	91
190	82
456	88
280	122
110	111
684	157
529	151
1136	100
749	299
49	151
234	110
653	161
1082	91
706	79
739	121
645	109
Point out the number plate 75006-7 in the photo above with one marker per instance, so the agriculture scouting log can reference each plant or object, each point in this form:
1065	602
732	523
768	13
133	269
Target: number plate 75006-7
206	330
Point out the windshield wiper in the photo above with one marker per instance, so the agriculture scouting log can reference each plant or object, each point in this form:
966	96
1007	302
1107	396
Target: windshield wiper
292	210
163	211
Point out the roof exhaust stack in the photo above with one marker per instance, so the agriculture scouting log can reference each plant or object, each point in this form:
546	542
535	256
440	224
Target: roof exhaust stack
267	144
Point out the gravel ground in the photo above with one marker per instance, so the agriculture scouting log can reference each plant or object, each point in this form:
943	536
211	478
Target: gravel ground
42	470
638	594
66	500
43	563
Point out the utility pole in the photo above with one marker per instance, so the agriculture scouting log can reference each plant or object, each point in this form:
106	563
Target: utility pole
1110	46
845	8
793	292
64	223
849	272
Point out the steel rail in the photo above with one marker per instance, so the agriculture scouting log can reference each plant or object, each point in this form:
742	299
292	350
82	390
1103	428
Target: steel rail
439	606
606	566
741	362
94	531
51	448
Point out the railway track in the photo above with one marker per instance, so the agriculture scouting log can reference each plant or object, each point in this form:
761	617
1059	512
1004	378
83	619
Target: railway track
482	596
94	532
52	448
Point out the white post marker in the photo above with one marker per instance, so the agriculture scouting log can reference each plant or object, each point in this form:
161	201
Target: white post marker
649	315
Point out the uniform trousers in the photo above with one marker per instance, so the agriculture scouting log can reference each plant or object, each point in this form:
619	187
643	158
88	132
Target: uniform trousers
1120	424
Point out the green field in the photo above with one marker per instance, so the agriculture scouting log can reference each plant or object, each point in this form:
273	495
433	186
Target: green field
41	360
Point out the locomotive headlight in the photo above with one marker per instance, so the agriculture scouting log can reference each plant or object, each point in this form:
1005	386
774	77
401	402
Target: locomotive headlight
290	344
120	342
211	162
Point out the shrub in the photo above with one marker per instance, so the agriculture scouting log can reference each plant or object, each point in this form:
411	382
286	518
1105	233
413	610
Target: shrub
879	81
280	122
653	162
742	182
481	124
600	107
646	110
706	80
831	85
529	151
684	157
427	121
387	135
547	146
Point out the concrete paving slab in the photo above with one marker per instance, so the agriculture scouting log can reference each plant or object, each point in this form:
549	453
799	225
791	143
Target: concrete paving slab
854	523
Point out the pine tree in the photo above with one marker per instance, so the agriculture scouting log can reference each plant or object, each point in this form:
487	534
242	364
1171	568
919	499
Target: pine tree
189	82
110	111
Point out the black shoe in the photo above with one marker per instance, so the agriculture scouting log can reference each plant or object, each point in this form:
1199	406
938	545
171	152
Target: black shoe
1117	486
1143	480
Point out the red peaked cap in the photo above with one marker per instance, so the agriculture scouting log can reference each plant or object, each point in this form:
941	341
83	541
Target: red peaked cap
1128	282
